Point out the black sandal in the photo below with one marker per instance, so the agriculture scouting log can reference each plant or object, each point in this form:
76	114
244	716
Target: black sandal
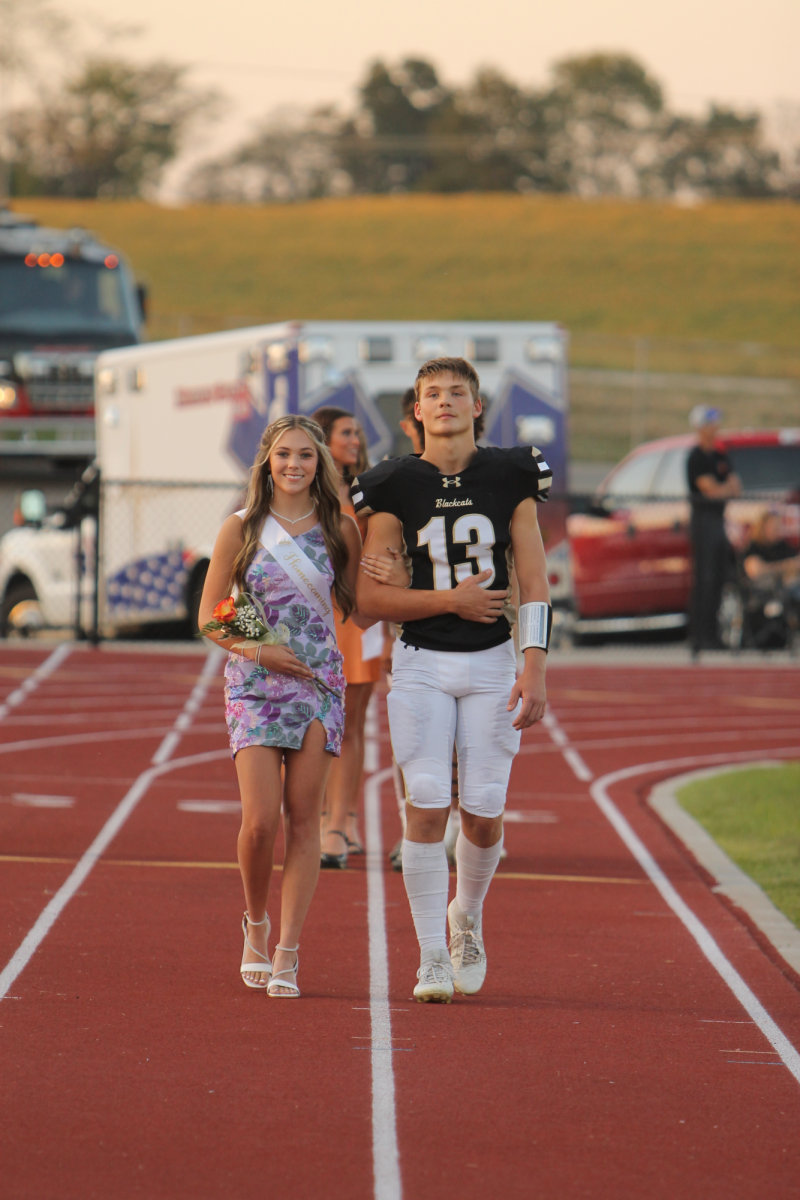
354	847
335	861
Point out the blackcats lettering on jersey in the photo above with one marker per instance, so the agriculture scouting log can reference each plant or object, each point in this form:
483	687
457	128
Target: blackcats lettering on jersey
446	546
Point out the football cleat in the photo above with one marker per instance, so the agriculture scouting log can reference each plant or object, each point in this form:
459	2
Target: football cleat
467	953
435	980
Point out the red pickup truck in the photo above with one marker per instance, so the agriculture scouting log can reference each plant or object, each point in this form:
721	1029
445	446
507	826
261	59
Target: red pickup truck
630	555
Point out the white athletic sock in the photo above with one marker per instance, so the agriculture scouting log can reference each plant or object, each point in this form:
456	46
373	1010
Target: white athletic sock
475	867
426	877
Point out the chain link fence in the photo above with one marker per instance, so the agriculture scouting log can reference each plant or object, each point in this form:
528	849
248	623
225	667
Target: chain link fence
625	391
155	542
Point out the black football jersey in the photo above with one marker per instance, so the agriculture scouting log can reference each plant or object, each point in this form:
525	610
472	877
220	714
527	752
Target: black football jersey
455	526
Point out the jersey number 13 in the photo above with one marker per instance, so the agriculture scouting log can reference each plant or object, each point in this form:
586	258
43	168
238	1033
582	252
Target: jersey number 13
434	536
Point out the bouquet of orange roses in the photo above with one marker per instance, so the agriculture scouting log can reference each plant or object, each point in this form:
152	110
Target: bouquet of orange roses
244	617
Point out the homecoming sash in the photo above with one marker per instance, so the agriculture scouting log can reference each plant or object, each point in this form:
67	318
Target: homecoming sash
307	578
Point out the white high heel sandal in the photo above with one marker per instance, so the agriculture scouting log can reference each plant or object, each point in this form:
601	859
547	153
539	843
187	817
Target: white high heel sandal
255	968
284	983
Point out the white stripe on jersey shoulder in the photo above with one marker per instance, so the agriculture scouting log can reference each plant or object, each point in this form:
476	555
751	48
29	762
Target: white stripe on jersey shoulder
357	498
545	474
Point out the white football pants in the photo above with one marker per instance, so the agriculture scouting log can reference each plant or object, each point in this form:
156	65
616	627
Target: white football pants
437	697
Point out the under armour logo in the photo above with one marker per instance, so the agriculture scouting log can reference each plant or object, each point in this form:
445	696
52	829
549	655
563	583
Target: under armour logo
454	482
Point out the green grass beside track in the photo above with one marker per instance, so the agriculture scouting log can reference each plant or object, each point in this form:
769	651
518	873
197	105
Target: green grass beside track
728	271
754	816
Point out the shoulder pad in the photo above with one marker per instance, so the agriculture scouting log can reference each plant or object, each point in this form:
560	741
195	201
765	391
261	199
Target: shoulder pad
531	459
369	491
375	475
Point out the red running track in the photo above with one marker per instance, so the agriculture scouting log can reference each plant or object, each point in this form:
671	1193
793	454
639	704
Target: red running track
605	1057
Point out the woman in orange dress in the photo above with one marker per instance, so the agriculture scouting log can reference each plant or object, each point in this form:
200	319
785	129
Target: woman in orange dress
345	440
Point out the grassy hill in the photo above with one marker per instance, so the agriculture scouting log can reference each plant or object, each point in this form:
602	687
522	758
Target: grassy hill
724	271
715	290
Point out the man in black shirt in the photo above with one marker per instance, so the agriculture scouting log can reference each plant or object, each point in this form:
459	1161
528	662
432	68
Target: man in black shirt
711	482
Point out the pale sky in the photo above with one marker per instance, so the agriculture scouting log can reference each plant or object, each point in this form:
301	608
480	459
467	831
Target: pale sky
265	54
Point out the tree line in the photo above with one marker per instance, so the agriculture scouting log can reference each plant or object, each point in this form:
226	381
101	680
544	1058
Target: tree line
599	127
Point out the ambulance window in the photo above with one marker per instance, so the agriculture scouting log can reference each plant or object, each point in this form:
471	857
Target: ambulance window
375	349
482	349
671	479
632	479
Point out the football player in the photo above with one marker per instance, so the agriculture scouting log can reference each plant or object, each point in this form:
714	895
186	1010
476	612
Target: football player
460	515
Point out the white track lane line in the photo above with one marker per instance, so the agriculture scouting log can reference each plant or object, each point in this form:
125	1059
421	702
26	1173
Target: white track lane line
52	911
190	710
571	756
107	735
50	664
385	1153
721	964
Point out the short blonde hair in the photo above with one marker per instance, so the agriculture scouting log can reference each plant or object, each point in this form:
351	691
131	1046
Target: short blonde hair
456	366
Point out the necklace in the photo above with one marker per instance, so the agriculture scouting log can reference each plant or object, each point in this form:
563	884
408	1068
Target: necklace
299	519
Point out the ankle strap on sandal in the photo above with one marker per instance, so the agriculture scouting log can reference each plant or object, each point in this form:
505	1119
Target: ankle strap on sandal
289	949
250	920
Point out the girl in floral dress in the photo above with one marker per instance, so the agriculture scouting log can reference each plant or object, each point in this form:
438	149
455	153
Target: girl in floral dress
284	704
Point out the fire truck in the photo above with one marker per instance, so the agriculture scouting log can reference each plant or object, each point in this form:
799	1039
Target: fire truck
64	298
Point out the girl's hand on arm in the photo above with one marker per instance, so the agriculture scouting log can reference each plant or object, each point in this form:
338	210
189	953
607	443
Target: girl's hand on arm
393	602
390	570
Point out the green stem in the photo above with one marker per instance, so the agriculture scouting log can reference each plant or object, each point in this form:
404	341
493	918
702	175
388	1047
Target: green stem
319	682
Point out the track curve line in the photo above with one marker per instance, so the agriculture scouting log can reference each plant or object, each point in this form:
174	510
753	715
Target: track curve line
627	743
599	790
52	911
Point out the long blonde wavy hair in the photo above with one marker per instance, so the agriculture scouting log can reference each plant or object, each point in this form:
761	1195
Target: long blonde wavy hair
324	492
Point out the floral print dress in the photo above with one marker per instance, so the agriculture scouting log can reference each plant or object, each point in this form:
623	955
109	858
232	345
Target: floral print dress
263	708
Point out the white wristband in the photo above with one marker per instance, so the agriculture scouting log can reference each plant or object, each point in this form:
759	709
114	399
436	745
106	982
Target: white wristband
534	625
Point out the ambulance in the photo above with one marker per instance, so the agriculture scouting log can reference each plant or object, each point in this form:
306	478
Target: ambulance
178	424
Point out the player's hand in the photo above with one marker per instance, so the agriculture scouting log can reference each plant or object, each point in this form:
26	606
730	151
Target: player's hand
281	660
389	569
474	603
530	689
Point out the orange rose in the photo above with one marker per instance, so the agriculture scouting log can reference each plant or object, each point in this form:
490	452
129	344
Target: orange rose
225	610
